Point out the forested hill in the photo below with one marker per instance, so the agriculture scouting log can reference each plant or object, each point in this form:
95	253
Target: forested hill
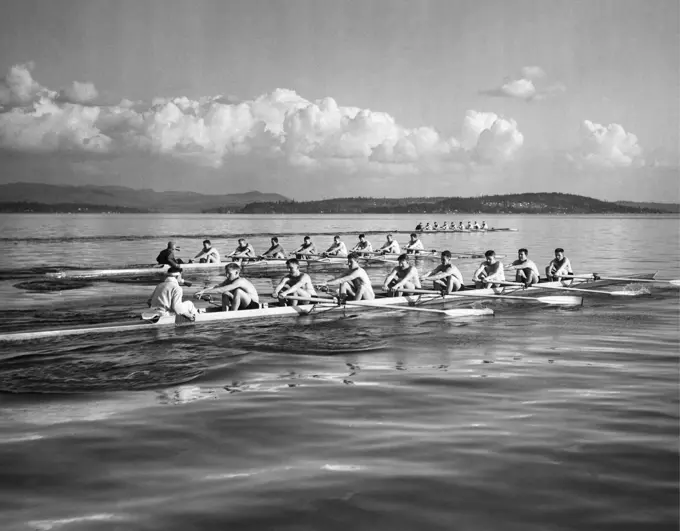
540	203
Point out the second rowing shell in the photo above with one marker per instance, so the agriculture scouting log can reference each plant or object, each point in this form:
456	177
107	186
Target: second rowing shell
259	264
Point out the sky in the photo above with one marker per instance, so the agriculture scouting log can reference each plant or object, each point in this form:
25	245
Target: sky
334	98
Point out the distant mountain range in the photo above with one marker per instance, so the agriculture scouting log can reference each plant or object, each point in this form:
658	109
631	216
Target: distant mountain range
34	197
56	198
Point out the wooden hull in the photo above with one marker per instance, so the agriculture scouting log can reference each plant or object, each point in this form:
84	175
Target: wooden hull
305	309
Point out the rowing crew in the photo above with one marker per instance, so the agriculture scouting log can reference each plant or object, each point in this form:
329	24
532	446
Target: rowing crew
452	226
238	293
245	250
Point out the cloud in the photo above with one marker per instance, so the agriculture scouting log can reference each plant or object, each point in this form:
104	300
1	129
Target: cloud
18	88
79	93
607	146
524	87
213	131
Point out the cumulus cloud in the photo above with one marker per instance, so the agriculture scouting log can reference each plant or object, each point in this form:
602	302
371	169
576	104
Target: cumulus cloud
211	131
607	146
524	86
79	93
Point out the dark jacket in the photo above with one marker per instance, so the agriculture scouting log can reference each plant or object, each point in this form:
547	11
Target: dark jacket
167	257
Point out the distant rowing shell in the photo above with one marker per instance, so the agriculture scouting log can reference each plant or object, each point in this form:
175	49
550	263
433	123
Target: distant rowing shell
493	229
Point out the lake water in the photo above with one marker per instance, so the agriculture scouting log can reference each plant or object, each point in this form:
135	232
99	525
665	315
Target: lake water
539	418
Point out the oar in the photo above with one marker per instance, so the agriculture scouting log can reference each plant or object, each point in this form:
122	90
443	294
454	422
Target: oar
565	300
580	290
459	312
595	276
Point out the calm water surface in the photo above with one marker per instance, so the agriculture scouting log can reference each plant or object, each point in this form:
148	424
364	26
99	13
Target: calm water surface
539	418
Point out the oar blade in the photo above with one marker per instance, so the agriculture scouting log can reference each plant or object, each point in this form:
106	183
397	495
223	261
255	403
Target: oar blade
627	293
562	300
468	312
674	282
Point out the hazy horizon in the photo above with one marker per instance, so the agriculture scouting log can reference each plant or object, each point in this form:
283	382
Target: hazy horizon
314	99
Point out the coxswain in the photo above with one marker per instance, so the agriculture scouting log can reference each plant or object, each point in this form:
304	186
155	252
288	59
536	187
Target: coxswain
527	272
484	226
167	296
403	276
559	266
489	272
391	246
305	250
363	246
275	251
167	256
208	254
445	277
414	246
244	250
419	226
337	248
355	284
238	293
294	283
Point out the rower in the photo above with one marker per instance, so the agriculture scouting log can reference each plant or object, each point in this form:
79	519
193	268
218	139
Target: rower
167	256
238	293
435	226
469	225
391	246
527	272
445	277
460	226
354	284
559	266
275	251
427	226
363	246
476	225
208	254
445	226
244	250
484	226
294	283
489	271
337	248
403	276
167	296
414	246
306	249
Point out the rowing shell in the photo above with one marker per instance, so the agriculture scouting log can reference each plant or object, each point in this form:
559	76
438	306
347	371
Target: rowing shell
305	309
250	264
492	229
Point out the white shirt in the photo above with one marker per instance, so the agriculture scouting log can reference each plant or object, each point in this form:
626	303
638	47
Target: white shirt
168	295
415	246
207	254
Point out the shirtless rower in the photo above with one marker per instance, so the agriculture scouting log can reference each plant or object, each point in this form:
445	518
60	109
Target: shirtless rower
167	297
244	250
414	246
167	256
489	272
355	284
403	276
527	271
238	293
275	251
305	250
294	283
207	255
559	266
445	277
337	248
391	246
363	246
